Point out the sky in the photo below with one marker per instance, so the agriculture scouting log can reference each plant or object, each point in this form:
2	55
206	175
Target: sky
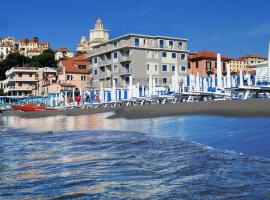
230	27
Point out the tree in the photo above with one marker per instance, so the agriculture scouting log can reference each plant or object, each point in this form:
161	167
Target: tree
46	59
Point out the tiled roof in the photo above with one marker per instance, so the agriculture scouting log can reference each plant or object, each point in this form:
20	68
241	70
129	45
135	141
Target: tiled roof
63	50
71	65
252	56
238	59
205	55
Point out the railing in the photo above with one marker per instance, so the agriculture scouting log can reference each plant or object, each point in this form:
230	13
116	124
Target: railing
125	71
125	58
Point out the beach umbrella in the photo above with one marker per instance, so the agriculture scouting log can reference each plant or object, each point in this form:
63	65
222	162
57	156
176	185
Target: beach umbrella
150	86
219	72
213	81
228	69
130	87
154	87
197	83
249	79
138	90
241	78
176	80
113	91
101	93
269	63
73	94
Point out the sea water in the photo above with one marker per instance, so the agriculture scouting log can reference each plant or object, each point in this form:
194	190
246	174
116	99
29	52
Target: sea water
91	157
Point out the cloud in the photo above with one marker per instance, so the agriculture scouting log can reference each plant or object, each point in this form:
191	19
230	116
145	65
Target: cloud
262	29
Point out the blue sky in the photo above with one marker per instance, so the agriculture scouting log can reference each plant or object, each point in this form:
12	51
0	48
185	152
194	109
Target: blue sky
231	27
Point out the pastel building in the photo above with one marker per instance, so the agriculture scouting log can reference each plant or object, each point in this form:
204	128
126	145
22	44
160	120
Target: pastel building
253	59
26	81
63	53
135	59
7	46
237	64
32	47
204	63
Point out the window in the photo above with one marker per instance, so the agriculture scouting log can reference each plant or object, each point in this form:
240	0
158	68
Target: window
95	72
148	67
30	75
144	41
114	45
156	68
83	78
116	81
170	43
180	44
148	54
114	54
20	74
183	68
173	68
208	65
164	68
94	60
189	65
197	64
20	84
173	55
137	42
115	69
161	43
164	54
156	80
82	66
156	54
183	56
69	77
127	68
164	80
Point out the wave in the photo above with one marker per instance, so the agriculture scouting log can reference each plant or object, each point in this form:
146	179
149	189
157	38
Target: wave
124	165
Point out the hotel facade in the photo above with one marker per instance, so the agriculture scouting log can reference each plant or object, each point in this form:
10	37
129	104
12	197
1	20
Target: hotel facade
138	56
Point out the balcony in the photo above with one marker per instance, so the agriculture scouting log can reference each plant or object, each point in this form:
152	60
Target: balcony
21	69
13	88
125	58
125	71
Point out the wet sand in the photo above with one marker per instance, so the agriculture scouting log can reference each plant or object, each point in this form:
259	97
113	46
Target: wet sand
247	108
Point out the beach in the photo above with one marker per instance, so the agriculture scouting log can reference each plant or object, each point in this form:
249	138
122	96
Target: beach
247	108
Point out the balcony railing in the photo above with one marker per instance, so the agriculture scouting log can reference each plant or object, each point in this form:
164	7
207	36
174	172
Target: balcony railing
125	71
125	58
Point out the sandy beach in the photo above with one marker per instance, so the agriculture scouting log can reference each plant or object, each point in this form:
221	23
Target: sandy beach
247	108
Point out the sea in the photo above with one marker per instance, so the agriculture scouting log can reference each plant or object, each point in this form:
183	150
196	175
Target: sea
92	157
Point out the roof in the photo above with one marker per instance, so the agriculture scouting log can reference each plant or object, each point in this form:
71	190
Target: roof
206	55
238	59
252	56
43	42
63	50
140	35
71	65
24	40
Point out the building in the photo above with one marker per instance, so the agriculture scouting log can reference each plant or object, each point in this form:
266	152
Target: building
237	64
32	47
253	59
205	63
63	53
27	81
96	36
7	46
138	56
74	72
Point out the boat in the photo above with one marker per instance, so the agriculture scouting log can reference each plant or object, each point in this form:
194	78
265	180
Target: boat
30	108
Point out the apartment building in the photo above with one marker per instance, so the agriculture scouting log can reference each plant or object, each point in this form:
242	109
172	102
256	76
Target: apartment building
205	63
138	56
237	64
74	72
7	46
253	59
27	81
63	53
32	47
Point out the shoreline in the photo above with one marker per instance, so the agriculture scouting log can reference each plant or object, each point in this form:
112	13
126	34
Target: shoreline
243	108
